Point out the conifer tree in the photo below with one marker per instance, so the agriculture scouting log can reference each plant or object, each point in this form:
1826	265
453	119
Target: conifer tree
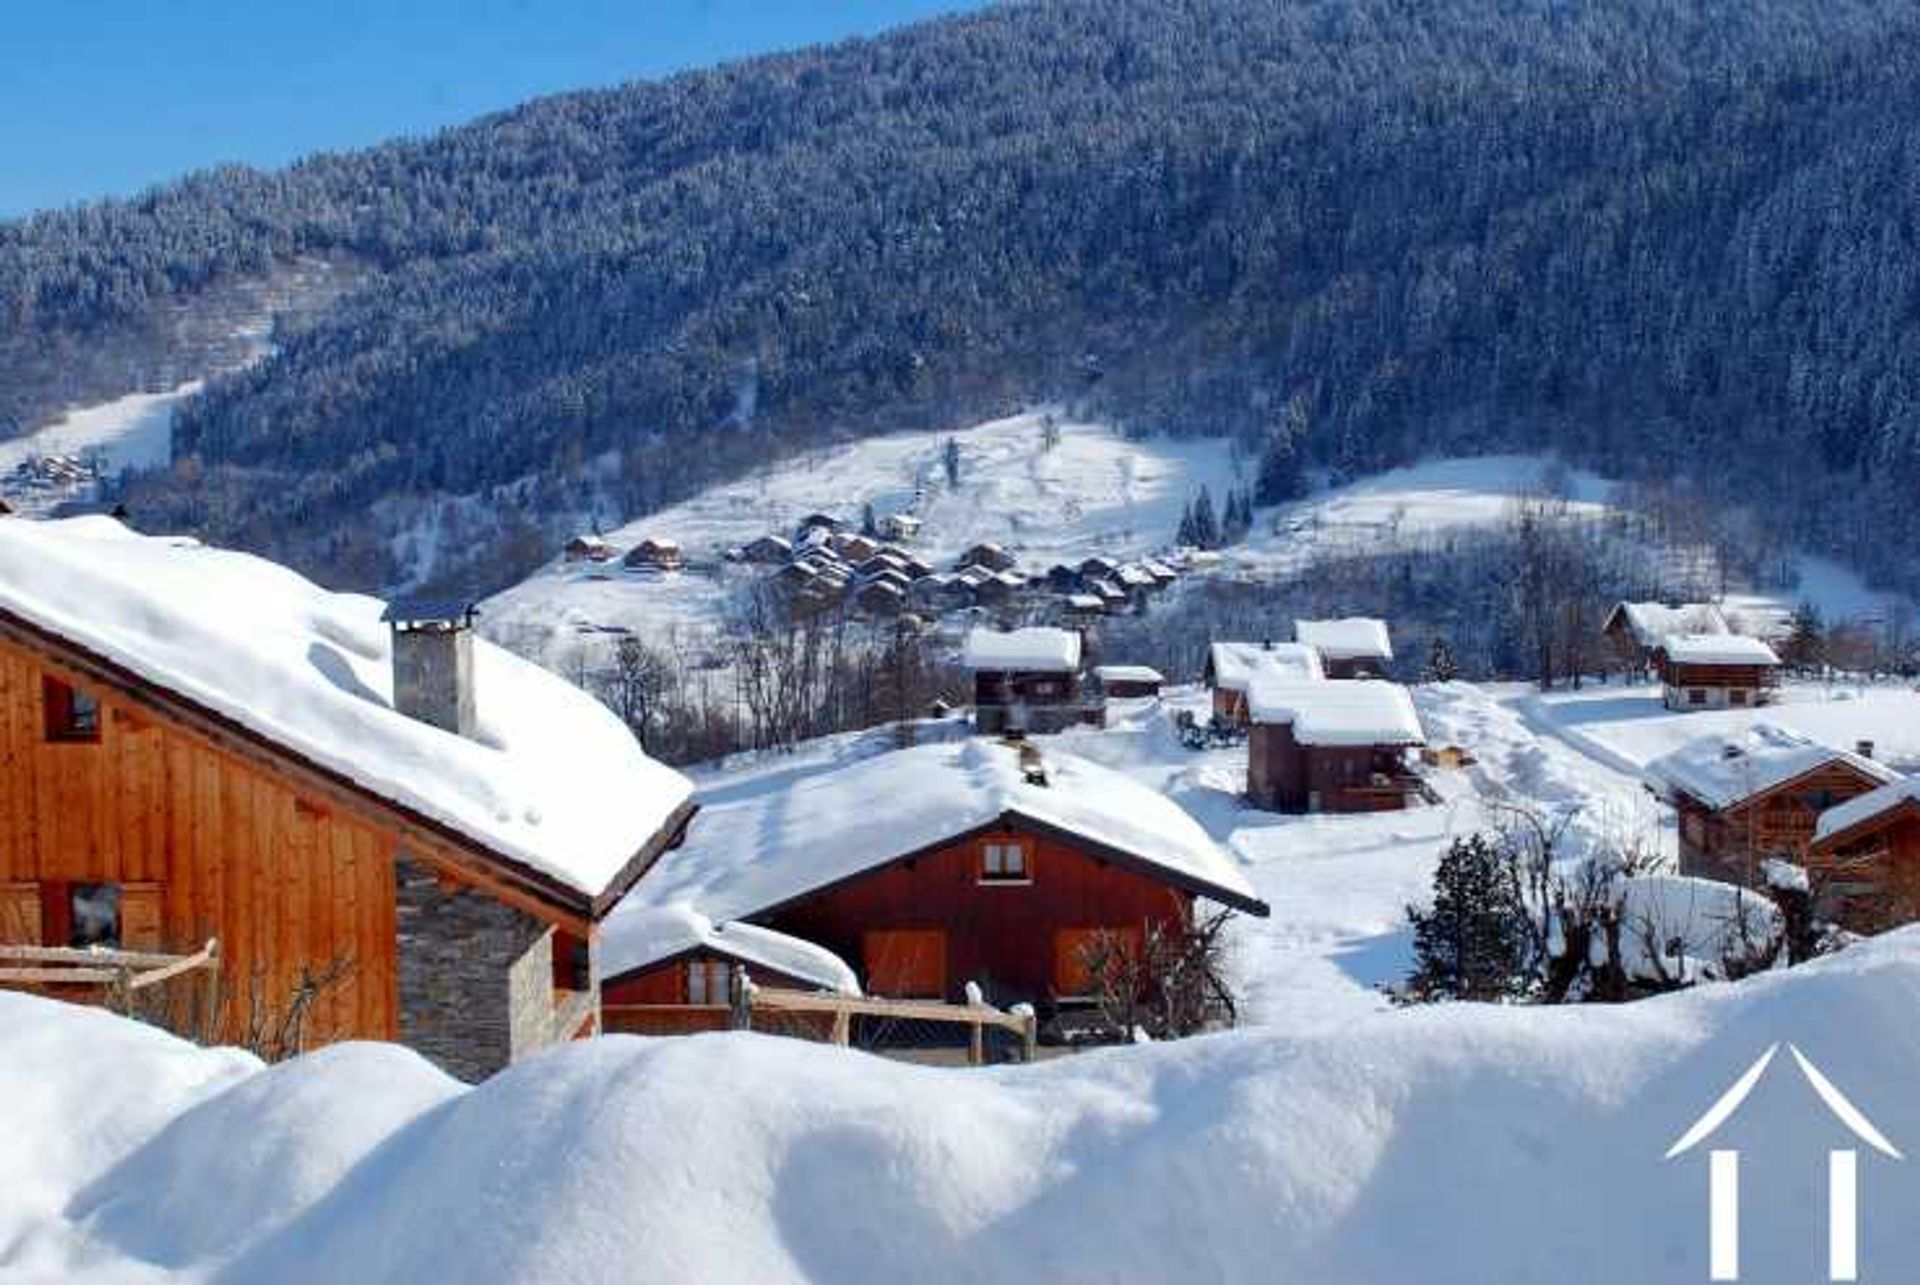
1472	943
1441	666
1206	526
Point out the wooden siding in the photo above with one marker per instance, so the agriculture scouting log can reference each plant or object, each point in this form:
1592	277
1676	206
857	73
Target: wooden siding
1002	935
1731	843
1872	880
204	843
1291	777
655	1000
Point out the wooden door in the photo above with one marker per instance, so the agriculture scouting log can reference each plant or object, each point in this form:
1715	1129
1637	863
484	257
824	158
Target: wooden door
906	962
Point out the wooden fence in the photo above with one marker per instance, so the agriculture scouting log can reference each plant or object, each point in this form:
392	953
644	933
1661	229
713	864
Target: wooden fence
748	999
123	972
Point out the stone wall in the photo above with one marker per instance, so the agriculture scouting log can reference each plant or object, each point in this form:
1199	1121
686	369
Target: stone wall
475	976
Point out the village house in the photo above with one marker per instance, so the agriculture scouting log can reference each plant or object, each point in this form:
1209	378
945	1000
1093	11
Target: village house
881	597
1746	799
1633	630
669	970
655	553
986	554
924	869
1098	568
1128	682
1866	855
1716	671
1354	647
1231	667
899	526
816	526
200	744
1082	609
1330	746
768	550
587	548
853	547
1027	680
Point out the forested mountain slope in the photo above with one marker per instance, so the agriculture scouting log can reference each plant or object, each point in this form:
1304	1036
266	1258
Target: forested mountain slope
1656	234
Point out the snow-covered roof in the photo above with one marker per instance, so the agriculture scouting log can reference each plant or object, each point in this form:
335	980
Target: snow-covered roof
1721	771
638	936
1367	711
1036	648
1350	638
764	842
1649	622
1845	816
1234	663
1128	674
552	779
1717	649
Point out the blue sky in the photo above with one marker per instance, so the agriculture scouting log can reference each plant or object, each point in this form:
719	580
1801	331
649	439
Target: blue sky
105	97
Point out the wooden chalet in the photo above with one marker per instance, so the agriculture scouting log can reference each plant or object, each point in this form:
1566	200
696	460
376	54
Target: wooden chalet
1865	855
1352	647
1232	665
199	744
1633	630
986	554
768	550
881	596
899	526
816	526
853	547
1745	800
1026	680
655	553
669	970
927	869
587	548
1716	671
1128	682
1331	746
1098	568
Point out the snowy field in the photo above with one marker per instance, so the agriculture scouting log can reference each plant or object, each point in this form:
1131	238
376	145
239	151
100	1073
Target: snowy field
1332	1139
135	431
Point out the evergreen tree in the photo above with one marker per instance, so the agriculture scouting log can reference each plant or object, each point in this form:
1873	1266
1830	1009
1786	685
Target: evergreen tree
1282	474
869	525
1472	943
951	458
1185	537
1206	526
1441	666
1806	644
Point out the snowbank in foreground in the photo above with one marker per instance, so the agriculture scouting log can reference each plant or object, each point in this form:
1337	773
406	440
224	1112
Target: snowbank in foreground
1446	1144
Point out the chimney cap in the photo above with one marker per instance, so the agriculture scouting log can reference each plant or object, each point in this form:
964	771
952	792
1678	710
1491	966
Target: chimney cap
430	613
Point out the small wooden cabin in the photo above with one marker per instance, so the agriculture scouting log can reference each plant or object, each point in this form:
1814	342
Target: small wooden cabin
1716	671
1330	746
1633	630
1865	854
1128	682
587	548
656	553
986	554
197	744
1026	680
669	971
1352	647
768	550
899	526
1744	800
929	868
1232	665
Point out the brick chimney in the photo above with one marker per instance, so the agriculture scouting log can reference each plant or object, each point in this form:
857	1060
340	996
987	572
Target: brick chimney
433	663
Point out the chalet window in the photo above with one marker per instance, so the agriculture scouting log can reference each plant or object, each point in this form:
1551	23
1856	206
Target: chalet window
707	981
1738	696
1696	696
72	715
1003	862
93	915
